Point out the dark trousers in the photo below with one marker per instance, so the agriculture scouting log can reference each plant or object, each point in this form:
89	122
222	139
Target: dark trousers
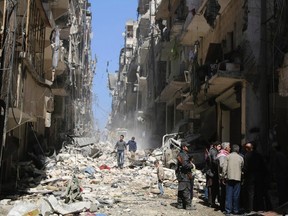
256	195
222	195
184	195
213	191
191	189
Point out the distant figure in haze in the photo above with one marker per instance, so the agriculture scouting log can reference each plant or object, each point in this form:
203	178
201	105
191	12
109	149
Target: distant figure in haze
132	147
120	147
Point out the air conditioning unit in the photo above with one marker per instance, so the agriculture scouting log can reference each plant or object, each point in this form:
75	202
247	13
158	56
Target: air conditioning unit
187	75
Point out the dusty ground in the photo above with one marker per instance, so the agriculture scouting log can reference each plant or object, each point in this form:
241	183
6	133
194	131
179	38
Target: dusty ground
129	197
145	201
111	192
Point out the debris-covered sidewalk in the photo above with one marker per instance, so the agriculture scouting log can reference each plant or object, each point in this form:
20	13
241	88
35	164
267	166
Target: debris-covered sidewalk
86	181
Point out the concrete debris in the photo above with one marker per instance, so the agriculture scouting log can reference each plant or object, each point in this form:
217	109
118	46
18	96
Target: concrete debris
24	208
62	208
76	183
84	141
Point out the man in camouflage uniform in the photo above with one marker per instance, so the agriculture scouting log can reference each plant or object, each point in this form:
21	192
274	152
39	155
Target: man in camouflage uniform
184	176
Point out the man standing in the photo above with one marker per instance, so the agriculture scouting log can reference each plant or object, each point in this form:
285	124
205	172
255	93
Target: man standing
255	179
212	178
232	171
221	157
183	173
132	147
120	147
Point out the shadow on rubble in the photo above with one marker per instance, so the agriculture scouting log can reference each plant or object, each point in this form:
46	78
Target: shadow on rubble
27	175
174	204
283	209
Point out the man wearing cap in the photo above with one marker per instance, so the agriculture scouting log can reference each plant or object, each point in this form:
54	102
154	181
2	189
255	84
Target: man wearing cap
183	173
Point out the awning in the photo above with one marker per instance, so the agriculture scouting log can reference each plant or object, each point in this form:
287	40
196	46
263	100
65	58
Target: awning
162	11
198	26
218	84
229	99
59	92
16	118
172	90
187	104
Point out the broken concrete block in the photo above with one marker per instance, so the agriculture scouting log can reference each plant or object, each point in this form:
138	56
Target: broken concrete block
63	208
24	208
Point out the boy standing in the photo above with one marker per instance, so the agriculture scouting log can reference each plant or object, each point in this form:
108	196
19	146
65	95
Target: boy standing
160	176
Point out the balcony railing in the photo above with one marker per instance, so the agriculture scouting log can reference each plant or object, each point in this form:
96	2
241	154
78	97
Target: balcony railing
35	40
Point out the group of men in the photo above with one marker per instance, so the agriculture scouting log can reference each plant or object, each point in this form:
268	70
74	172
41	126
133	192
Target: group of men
121	147
236	179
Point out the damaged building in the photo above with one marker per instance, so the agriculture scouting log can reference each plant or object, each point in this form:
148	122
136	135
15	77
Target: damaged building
46	73
210	67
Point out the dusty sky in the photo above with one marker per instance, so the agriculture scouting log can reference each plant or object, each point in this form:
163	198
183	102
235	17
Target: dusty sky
108	24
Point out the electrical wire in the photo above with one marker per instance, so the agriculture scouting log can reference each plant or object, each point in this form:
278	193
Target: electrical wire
37	139
9	76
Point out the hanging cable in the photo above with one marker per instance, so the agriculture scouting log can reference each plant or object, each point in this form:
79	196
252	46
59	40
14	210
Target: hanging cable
36	138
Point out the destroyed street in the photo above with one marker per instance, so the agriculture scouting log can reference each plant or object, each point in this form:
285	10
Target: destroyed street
143	107
76	183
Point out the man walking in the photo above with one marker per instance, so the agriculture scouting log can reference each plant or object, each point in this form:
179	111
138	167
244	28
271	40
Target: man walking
183	173
132	147
232	171
120	147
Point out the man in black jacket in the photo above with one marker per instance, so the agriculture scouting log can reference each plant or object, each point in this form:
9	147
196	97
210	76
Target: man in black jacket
184	176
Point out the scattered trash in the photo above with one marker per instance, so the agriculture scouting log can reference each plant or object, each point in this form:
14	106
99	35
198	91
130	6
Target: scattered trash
104	166
90	170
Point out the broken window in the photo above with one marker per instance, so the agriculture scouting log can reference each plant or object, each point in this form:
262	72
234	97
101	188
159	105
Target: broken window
35	40
129	31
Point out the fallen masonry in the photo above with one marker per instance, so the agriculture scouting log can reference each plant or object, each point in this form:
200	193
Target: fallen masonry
73	183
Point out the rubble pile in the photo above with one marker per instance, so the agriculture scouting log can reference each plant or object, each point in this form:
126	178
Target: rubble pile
73	183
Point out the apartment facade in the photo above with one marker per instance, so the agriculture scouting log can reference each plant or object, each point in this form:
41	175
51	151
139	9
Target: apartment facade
210	67
46	79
